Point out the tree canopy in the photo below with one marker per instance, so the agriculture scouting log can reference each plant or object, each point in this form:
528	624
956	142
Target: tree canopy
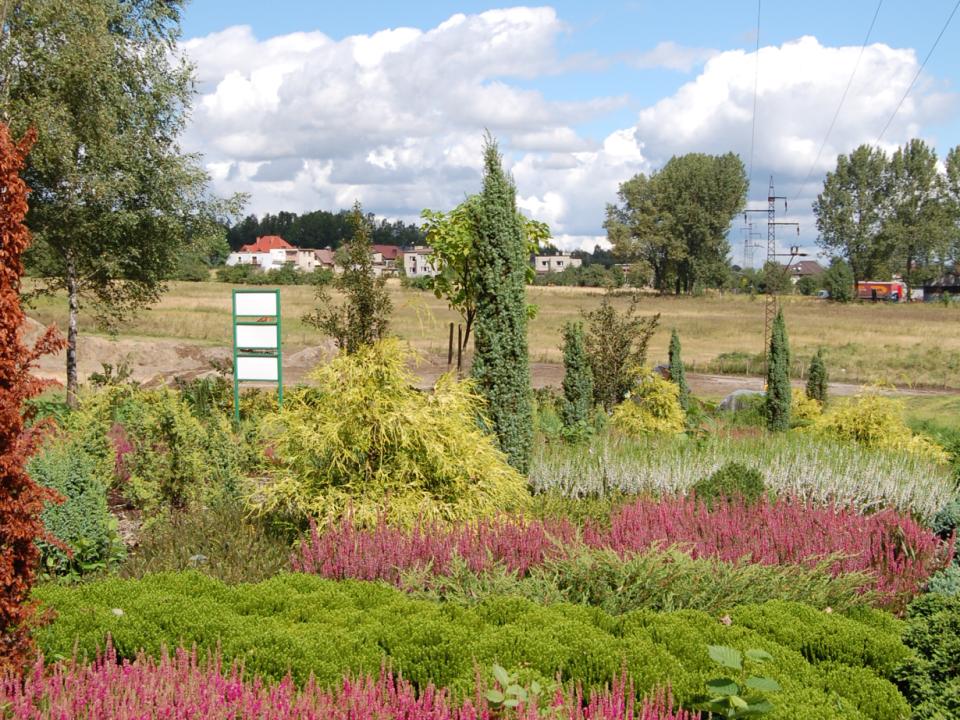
321	228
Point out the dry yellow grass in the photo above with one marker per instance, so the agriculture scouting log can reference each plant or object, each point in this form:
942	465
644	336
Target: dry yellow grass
916	344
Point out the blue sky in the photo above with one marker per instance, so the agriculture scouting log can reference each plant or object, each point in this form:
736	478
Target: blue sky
587	72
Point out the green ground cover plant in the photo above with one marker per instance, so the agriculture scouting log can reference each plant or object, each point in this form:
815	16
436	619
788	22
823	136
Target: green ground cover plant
796	464
930	679
730	482
307	625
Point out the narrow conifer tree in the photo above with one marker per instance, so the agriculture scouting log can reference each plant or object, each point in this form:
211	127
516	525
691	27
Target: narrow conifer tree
817	379
501	367
778	377
577	379
677	374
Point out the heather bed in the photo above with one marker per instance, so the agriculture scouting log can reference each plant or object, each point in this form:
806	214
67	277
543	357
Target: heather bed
829	665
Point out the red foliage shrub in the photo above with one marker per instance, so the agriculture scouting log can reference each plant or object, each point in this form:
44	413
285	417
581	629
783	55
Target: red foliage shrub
21	500
182	687
898	551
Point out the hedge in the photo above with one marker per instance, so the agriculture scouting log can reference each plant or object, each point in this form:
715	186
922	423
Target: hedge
308	625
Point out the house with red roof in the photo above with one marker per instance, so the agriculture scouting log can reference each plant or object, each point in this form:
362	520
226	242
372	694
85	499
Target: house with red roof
271	252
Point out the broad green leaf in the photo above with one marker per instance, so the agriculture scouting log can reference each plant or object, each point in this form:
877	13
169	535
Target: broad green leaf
723	686
495	696
511	703
726	656
535	688
759	655
502	676
763	684
762	707
738	702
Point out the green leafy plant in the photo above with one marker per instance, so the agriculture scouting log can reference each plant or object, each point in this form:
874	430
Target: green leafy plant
743	696
509	693
733	481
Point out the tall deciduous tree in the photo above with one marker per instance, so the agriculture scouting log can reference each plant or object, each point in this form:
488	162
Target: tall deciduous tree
101	82
677	219
779	394
850	212
453	238
501	365
365	315
21	499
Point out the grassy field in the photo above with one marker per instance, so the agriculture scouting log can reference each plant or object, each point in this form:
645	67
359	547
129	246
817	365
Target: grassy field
909	345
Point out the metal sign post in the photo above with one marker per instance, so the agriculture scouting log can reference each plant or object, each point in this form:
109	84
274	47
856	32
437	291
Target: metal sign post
256	341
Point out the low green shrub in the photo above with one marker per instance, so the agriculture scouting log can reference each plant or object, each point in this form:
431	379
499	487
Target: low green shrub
930	680
652	407
731	482
656	580
947	581
309	625
219	540
947	520
82	522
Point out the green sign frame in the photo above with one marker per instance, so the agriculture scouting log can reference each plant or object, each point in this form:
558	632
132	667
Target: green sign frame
254	310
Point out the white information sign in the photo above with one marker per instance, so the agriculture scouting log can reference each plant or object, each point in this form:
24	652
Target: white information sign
259	337
258	368
255	304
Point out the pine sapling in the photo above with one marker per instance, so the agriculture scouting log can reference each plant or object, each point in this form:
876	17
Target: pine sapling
817	379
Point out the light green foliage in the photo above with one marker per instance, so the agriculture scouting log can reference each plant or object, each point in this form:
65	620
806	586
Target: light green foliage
364	441
453	238
509	693
577	381
364	316
875	421
730	483
742	696
308	625
654	580
838	281
676	220
218	539
946	581
155	449
778	377
799	464
501	367
803	409
82	521
930	679
817	379
617	348
677	373
652	407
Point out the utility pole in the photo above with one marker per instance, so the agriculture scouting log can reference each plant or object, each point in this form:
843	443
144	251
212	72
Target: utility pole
770	306
749	236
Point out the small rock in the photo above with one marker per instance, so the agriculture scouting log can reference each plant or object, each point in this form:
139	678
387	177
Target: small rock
738	399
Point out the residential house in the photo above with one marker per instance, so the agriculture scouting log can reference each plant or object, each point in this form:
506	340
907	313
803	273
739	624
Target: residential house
271	252
804	268
416	262
554	263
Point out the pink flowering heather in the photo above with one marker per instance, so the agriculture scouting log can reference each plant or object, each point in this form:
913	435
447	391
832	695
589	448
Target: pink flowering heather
182	688
896	549
384	552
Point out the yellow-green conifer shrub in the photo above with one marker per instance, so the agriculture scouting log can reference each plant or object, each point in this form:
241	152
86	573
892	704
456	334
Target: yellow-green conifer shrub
803	409
651	408
365	442
875	421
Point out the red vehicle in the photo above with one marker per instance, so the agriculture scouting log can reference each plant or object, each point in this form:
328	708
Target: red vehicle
885	290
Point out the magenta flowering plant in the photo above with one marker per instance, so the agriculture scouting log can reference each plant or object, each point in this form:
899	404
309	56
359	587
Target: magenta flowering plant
179	686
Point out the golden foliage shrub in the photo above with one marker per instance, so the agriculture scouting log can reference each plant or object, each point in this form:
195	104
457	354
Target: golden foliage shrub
365	442
651	408
803	409
875	421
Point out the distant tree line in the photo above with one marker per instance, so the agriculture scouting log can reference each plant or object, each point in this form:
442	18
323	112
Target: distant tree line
897	214
321	228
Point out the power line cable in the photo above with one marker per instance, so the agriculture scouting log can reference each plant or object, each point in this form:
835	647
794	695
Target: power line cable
843	99
756	77
922	66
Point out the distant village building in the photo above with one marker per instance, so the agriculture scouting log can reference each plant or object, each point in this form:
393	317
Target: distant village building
805	268
272	252
945	286
416	262
554	263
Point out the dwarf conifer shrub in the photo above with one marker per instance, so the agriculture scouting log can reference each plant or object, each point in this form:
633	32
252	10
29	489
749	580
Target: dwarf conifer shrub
779	395
651	408
930	679
733	481
817	379
365	442
577	381
677	374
